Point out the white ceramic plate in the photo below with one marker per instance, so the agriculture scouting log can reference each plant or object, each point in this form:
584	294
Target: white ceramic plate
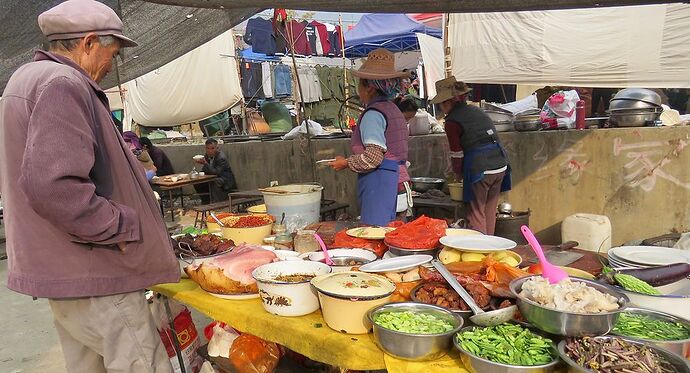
369	233
388	255
398	264
478	244
651	255
236	296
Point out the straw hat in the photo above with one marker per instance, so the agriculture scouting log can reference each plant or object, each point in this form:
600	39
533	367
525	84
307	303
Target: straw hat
448	88
379	65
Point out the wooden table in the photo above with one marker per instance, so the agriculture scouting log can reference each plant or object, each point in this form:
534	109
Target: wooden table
170	186
432	205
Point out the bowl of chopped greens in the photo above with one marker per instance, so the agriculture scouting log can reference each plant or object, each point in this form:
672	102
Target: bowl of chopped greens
505	348
414	331
613	354
660	328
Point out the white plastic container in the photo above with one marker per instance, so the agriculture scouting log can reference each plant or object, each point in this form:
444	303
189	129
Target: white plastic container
592	232
301	204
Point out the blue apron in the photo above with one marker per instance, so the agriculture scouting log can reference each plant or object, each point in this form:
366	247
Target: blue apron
378	193
470	179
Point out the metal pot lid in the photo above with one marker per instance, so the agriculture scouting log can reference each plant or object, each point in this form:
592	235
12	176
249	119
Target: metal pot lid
641	94
354	285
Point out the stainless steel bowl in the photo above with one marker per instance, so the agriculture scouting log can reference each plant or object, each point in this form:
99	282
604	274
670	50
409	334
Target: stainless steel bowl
476	364
633	117
524	125
626	103
425	184
465	315
680	347
569	324
402	252
639	94
504	126
414	347
680	365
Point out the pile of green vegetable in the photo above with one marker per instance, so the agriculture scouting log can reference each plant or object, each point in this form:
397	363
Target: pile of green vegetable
648	327
508	344
413	322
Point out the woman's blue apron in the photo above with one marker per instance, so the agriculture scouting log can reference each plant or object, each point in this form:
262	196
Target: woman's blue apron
378	193
470	179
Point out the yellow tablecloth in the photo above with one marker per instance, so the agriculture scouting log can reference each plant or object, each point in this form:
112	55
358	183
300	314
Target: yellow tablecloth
308	335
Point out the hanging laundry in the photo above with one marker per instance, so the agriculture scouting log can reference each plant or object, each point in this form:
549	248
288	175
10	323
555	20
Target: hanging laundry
251	80
334	36
310	31
282	80
297	38
323	38
280	31
259	34
266	81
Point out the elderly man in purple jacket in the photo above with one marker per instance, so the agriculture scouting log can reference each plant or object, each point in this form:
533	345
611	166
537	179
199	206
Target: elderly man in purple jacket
82	224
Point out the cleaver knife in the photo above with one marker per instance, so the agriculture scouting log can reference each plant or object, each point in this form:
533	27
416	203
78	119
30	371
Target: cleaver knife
559	255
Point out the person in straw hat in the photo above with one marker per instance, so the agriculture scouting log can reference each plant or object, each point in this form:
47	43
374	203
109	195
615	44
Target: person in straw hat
379	141
84	229
476	153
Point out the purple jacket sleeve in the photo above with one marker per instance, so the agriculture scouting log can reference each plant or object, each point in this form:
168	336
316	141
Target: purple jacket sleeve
57	161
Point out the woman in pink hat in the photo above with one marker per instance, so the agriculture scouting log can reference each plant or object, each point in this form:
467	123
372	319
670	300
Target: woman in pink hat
379	140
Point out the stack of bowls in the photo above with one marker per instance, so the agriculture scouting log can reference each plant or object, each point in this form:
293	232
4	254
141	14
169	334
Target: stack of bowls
635	107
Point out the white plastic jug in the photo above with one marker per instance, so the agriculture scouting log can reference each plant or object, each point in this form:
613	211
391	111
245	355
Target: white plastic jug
301	204
592	232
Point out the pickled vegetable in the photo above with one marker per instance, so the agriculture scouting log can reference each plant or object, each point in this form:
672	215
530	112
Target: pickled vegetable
508	344
413	322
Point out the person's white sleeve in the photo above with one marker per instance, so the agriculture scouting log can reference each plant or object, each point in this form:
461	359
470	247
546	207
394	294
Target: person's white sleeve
373	128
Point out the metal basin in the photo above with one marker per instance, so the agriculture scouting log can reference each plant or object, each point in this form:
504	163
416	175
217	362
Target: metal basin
680	347
679	363
414	347
477	364
569	324
634	117
425	184
527	125
639	94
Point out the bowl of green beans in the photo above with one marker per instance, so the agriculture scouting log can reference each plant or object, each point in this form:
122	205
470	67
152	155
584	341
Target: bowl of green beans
659	328
414	331
505	348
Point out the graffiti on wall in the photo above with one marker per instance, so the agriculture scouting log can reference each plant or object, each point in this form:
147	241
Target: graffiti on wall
571	160
647	161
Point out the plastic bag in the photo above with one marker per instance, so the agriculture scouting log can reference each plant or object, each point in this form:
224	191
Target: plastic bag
559	110
220	339
187	335
342	239
250	354
422	233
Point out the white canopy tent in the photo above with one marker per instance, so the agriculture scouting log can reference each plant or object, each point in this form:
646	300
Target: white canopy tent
639	46
195	86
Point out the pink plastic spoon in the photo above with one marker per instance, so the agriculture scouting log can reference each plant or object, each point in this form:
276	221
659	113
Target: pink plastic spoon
548	270
324	249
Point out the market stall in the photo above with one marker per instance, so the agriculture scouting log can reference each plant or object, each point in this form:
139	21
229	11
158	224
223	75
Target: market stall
334	329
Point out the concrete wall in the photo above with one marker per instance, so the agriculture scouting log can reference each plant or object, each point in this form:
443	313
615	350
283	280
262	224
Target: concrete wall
637	177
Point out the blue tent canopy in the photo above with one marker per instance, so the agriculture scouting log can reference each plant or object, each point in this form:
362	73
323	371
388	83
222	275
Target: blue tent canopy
395	32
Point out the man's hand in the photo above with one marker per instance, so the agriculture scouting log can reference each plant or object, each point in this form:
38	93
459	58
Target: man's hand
201	161
122	246
339	164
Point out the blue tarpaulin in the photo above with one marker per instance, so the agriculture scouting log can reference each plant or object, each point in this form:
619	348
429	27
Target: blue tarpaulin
395	32
249	55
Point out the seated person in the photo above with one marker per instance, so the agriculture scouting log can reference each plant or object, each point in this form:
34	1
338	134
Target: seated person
419	121
215	163
160	159
142	155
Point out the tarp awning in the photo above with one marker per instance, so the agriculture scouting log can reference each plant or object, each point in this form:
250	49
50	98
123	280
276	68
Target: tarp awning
163	33
643	46
195	86
395	32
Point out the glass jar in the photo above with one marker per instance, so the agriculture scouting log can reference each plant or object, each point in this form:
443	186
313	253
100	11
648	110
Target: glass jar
305	242
283	241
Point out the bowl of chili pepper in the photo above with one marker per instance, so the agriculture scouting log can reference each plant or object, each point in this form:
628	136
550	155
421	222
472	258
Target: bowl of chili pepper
247	228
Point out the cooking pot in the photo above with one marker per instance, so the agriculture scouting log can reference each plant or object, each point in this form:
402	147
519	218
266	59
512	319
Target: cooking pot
634	117
639	94
346	297
502	117
425	184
